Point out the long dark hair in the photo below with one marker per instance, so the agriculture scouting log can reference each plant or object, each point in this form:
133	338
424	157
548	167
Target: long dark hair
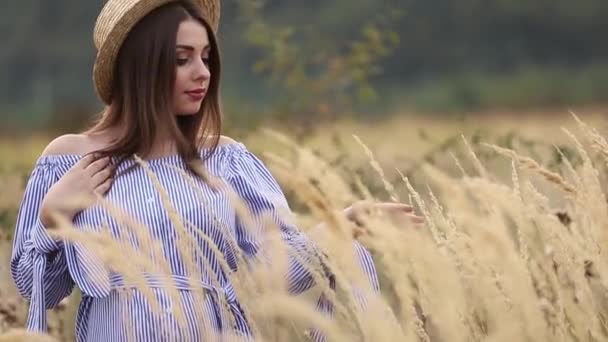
142	90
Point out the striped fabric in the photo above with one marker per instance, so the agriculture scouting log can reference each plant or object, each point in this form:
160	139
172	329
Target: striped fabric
46	270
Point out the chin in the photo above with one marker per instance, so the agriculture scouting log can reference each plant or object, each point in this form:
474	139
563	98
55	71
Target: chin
187	111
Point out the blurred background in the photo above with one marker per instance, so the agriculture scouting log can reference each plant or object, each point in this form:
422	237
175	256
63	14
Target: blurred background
410	78
322	60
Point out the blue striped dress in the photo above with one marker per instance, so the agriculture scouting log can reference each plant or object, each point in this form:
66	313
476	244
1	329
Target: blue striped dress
46	270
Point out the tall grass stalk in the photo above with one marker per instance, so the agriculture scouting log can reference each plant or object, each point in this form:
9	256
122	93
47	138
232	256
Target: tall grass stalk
495	261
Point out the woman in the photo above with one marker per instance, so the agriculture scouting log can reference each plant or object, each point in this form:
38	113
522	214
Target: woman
158	70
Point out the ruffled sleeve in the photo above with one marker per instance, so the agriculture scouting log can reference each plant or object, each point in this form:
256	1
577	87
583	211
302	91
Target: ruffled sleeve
38	264
261	194
258	189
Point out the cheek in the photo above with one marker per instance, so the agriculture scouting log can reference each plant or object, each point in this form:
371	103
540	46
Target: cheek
180	80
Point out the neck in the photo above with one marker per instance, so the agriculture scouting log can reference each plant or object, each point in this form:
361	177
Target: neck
163	144
161	147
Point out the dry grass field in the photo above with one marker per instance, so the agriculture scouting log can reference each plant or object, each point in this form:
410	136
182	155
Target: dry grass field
511	250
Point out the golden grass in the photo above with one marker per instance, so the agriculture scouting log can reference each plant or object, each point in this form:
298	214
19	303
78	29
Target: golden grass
499	259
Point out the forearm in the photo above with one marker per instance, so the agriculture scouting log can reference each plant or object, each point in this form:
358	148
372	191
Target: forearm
48	213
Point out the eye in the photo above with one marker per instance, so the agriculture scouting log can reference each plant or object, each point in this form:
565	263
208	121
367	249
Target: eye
182	61
206	60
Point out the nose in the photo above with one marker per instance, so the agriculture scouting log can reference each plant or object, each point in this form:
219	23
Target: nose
201	71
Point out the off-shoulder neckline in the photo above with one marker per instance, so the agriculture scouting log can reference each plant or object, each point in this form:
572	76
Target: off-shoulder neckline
70	158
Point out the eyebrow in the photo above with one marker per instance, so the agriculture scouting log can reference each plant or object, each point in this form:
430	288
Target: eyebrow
191	48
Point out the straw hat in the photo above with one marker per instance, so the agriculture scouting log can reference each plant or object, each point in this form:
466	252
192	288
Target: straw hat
114	23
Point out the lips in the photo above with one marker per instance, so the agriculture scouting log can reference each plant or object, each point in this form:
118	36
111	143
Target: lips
196	94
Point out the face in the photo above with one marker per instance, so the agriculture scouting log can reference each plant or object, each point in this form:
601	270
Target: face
192	74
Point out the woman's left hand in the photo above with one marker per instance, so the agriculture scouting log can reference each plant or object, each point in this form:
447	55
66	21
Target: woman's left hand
362	209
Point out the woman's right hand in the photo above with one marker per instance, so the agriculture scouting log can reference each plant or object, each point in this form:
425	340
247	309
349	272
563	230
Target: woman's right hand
77	189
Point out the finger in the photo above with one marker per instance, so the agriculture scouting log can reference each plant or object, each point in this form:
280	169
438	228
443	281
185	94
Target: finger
86	160
104	187
398	207
366	207
416	219
361	205
97	166
386	206
356	209
102	175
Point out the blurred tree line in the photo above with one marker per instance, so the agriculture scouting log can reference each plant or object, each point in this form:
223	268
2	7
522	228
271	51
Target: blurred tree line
314	58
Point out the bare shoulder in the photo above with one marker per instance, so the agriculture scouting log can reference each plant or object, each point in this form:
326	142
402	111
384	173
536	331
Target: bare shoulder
81	144
225	140
67	144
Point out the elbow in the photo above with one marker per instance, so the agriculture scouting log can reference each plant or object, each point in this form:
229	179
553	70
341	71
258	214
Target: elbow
56	281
